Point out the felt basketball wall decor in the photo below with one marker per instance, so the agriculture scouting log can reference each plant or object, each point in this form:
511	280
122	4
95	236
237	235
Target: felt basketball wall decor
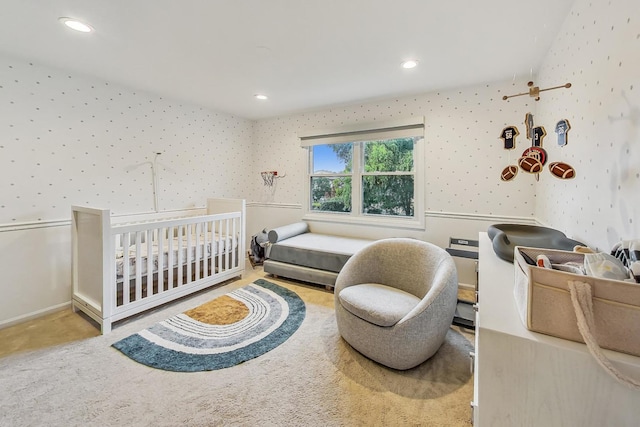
562	170
509	173
530	164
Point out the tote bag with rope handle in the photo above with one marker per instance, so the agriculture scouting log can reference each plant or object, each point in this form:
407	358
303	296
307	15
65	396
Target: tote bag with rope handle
598	312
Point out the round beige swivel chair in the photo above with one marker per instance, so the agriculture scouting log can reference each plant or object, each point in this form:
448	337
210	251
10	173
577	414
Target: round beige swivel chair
395	300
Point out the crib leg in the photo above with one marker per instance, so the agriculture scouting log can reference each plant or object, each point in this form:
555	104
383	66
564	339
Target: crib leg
105	327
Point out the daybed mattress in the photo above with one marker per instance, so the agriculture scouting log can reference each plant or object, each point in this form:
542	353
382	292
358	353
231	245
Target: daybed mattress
317	251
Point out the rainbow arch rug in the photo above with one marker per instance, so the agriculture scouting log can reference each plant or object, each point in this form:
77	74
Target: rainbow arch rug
231	329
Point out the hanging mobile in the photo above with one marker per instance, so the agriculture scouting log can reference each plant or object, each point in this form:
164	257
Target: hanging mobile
534	91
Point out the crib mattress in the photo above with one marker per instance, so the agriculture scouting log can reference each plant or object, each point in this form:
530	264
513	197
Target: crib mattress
318	251
181	254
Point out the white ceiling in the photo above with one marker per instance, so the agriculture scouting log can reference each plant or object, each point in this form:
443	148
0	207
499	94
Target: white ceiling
304	54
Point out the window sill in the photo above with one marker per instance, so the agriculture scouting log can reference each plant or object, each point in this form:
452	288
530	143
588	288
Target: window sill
339	218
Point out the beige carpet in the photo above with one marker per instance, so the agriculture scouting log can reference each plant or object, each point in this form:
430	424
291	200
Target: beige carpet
313	379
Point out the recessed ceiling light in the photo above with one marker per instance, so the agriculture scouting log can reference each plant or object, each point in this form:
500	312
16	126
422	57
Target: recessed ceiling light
411	63
261	96
74	24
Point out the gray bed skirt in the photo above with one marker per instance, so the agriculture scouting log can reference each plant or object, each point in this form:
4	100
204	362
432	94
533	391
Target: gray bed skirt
297	272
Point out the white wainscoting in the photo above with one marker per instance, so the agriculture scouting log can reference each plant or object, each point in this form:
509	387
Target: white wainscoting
36	271
36	266
440	226
36	260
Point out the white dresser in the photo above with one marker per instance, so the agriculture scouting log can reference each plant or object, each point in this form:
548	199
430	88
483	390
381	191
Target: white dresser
523	378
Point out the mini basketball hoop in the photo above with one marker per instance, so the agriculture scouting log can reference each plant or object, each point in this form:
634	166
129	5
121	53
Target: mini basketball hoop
268	177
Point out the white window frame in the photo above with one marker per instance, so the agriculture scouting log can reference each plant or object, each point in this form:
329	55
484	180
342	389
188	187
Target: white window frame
357	134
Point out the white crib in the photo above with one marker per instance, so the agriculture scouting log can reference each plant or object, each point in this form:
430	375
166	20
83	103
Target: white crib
121	268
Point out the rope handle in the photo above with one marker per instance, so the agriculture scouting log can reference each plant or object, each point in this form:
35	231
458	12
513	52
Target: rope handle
583	307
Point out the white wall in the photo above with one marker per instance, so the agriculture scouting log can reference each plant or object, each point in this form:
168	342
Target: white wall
463	159
68	139
598	51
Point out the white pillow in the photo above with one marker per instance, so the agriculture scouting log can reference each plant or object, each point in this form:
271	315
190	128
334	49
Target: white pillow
287	231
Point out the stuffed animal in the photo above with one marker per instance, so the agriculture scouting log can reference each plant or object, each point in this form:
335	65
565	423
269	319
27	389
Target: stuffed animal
259	242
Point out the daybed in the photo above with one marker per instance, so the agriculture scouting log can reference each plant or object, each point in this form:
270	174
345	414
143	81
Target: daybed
296	253
121	268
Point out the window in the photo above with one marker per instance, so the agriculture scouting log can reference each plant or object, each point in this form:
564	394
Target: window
371	175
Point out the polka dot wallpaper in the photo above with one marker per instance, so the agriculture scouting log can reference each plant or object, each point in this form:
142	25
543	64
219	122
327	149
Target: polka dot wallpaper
463	158
68	139
598	51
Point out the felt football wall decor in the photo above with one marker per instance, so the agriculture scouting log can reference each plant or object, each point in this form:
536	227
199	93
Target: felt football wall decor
530	164
509	173
562	170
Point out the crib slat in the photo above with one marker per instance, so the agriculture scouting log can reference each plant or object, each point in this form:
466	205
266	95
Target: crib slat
218	251
180	255
233	241
223	249
205	249
170	257
149	241
196	252
189	253
212	248
225	244
126	280
138	258
161	232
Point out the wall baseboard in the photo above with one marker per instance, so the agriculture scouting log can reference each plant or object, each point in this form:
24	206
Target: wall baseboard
466	287
34	315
